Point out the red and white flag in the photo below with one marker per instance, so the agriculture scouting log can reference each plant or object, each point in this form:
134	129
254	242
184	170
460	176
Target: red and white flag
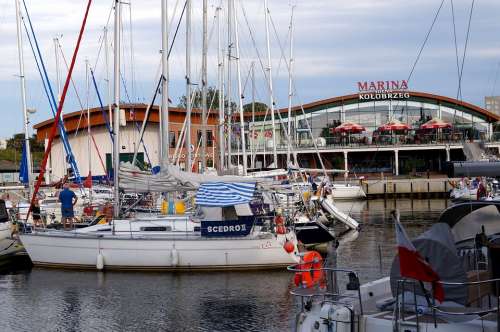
412	265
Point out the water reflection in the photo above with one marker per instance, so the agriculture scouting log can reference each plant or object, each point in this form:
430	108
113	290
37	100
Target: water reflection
53	300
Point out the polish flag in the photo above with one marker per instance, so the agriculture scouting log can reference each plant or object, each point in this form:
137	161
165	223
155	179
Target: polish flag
412	265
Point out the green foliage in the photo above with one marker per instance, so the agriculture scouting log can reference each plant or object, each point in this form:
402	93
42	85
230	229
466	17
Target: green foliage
259	107
14	149
212	99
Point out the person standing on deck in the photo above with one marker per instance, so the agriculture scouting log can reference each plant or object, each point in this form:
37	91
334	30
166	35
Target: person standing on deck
68	199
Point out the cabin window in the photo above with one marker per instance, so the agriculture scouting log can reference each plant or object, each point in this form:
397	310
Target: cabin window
104	230
156	228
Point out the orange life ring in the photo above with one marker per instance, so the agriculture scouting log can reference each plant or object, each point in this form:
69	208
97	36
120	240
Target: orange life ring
311	274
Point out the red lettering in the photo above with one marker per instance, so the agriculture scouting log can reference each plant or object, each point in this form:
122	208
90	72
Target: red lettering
373	86
380	85
404	85
362	86
394	85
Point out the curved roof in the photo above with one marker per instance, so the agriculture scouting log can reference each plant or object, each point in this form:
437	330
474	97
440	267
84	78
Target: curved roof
414	96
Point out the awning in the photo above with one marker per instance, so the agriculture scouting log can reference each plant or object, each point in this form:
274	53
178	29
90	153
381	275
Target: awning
350	127
224	194
394	125
435	123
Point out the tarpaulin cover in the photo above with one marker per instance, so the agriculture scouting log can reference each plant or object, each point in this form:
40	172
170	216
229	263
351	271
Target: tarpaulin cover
224	194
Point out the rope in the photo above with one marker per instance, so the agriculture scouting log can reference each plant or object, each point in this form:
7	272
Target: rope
465	50
59	110
62	130
459	92
425	41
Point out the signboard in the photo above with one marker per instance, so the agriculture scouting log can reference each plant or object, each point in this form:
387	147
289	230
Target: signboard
381	90
226	228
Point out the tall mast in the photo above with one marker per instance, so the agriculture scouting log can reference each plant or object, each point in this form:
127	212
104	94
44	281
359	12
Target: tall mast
290	94
252	139
220	79
228	83
240	93
165	141
58	72
270	83
23	94
108	82
116	114
89	146
204	90
188	86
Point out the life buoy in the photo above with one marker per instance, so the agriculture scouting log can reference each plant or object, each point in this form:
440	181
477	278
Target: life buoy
310	274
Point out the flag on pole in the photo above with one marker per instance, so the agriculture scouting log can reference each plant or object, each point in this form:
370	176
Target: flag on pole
412	265
23	168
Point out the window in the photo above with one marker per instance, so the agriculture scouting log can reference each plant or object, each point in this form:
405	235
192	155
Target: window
210	138
156	229
171	139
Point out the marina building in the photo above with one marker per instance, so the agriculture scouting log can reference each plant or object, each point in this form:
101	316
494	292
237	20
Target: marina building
372	148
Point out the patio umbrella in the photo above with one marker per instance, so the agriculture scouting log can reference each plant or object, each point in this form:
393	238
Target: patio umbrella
349	127
394	125
435	123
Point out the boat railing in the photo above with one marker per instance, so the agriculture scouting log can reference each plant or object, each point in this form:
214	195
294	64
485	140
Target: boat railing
328	287
435	308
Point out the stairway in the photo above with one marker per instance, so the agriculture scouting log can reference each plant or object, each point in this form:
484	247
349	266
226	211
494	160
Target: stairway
474	151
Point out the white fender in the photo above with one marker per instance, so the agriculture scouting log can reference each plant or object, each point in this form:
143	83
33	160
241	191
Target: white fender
100	262
175	257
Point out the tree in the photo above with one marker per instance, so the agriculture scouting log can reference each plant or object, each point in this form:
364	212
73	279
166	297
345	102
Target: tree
259	107
17	141
212	100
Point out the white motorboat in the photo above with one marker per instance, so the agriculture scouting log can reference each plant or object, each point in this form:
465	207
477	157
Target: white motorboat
463	248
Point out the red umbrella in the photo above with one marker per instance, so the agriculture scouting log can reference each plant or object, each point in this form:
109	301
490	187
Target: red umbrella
394	125
349	127
435	123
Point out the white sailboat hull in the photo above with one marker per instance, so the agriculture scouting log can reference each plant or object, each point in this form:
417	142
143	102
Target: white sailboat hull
342	191
60	249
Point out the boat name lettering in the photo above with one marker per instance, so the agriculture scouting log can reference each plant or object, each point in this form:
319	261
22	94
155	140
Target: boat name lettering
225	229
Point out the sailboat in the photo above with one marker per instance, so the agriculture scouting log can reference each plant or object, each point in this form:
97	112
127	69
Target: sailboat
231	228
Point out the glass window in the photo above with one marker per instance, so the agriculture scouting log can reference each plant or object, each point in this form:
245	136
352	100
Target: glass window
171	139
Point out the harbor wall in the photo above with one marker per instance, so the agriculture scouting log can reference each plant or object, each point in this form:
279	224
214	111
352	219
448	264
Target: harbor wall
433	187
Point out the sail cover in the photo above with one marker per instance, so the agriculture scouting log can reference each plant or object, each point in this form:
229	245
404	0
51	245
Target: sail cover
224	194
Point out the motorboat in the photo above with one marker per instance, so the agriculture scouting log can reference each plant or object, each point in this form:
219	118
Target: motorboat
228	237
463	248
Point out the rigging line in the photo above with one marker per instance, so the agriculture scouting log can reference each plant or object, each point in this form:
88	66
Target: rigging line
74	88
101	37
493	88
104	113
57	118
425	41
459	92
38	66
64	137
465	49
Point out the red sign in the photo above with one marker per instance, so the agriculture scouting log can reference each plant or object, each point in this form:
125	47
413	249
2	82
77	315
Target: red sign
381	90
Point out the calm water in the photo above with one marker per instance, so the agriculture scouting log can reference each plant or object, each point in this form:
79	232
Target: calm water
52	300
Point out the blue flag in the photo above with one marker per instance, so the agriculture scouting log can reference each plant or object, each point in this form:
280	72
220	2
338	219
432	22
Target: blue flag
23	169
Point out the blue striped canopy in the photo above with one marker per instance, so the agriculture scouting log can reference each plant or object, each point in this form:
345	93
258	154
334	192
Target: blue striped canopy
224	194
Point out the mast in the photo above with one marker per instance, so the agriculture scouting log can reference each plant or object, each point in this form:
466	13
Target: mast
228	83
58	72
252	139
165	141
22	81
89	147
188	86
204	90
270	83
108	82
220	79
116	91
240	93
290	94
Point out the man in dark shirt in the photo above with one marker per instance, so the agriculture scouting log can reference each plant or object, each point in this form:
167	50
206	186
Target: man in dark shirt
68	199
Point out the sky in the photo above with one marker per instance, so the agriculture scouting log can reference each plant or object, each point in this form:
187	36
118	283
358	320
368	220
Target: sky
336	43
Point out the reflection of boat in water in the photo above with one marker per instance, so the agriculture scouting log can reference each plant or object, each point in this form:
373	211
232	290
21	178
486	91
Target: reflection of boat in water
462	248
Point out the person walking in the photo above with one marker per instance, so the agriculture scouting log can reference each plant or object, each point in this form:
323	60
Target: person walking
68	200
